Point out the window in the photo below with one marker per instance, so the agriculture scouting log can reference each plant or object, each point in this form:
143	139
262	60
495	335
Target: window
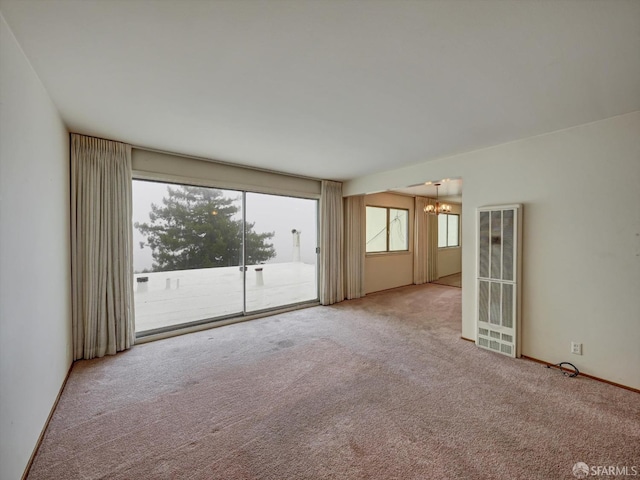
448	230
387	230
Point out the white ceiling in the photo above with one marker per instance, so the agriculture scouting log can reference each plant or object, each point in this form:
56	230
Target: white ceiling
330	89
449	189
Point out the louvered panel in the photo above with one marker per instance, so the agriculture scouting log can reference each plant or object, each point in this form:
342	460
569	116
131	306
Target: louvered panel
498	272
507	305
484	301
494	304
500	342
496	244
484	245
507	245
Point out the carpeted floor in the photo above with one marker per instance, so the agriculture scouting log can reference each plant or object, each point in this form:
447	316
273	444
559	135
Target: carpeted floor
377	388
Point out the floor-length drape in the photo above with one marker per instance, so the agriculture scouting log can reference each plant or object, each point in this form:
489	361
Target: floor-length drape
421	243
354	246
101	243
331	238
432	245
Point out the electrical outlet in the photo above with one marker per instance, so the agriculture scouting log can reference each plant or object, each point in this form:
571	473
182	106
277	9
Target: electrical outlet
576	348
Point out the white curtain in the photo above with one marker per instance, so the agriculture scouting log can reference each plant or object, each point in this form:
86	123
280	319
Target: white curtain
432	245
354	246
421	243
331	238
101	243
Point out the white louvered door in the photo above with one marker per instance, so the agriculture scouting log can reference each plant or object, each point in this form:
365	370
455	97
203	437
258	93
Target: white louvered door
498	266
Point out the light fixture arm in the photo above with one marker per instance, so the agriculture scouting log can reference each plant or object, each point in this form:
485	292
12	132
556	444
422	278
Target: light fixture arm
438	208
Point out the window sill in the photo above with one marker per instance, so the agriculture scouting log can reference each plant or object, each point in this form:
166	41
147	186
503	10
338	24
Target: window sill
385	254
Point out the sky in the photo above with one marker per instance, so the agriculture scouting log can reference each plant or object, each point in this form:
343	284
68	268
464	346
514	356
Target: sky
271	213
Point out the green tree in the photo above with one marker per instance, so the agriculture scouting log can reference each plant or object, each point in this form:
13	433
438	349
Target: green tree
194	228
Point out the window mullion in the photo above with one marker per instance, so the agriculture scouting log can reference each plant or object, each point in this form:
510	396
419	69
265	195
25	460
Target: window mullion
448	218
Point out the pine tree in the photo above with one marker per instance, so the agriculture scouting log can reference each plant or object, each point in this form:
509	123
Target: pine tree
194	228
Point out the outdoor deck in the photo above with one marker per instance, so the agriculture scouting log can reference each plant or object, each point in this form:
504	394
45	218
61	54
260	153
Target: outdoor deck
183	296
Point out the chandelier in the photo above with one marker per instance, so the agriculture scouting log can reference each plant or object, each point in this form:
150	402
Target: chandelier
438	208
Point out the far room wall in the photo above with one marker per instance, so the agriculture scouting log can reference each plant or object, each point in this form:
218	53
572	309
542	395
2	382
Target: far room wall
389	270
450	258
581	237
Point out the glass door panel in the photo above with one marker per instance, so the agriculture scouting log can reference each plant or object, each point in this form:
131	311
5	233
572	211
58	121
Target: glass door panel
281	236
187	254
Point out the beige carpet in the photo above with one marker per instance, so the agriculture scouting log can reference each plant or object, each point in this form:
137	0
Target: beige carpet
454	280
376	388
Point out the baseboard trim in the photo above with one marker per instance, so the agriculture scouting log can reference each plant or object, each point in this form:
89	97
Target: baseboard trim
46	425
619	385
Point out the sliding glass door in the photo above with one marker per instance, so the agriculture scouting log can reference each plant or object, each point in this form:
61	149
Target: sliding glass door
187	254
289	275
205	253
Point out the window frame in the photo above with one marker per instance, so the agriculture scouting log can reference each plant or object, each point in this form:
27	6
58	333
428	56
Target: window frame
388	231
459	244
174	180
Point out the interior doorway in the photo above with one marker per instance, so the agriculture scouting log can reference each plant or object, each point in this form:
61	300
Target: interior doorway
445	196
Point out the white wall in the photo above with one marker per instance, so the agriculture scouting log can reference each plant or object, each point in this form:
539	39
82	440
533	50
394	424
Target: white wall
581	239
389	270
35	325
450	258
